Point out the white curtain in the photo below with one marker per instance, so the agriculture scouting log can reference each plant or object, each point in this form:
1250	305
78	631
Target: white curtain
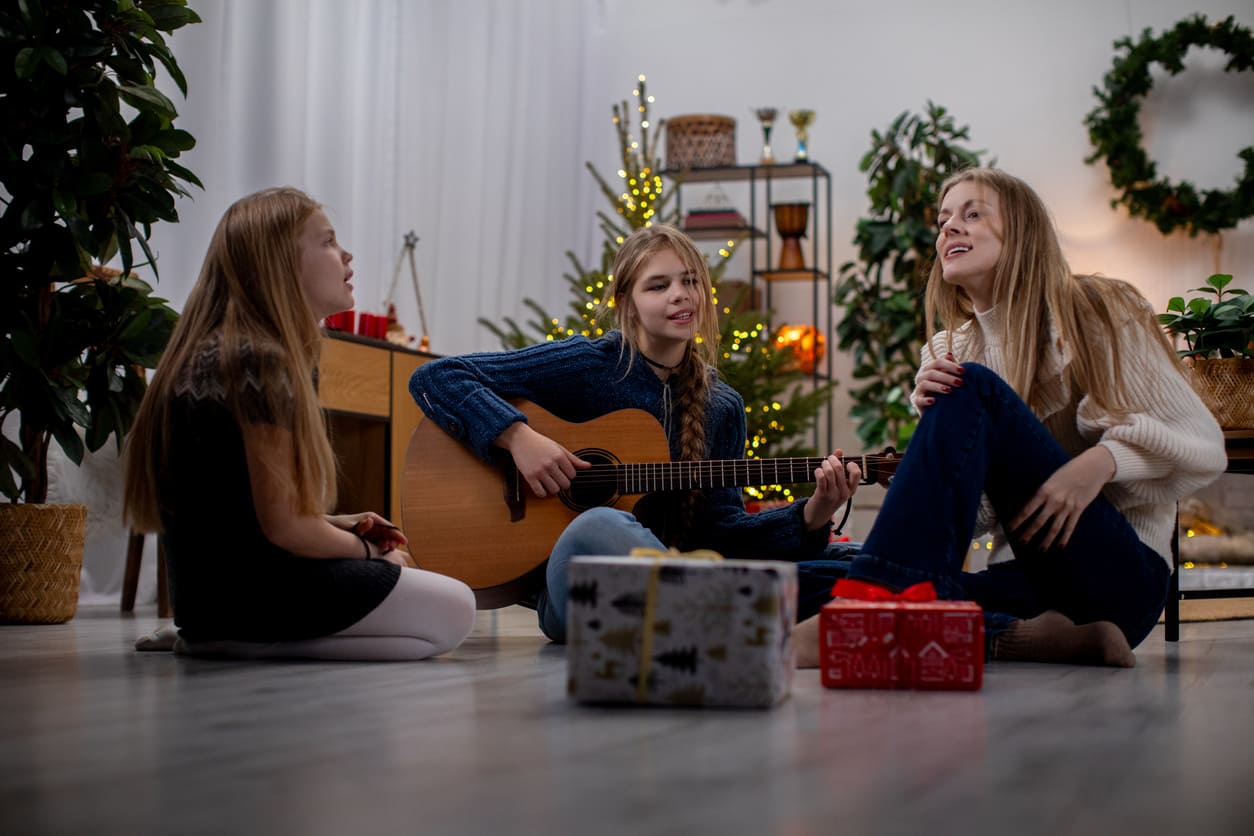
466	121
459	120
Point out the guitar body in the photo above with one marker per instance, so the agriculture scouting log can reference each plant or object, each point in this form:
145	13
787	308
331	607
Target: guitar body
477	522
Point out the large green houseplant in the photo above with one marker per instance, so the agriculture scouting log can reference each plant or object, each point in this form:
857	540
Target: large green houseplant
87	150
1218	333
882	291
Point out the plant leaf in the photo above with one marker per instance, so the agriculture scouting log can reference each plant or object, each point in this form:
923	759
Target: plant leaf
26	62
70	442
1219	280
146	98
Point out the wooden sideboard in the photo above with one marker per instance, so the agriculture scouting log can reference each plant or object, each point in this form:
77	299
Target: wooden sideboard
363	385
1240	447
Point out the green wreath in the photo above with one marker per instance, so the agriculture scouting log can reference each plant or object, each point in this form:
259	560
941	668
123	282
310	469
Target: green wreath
1115	131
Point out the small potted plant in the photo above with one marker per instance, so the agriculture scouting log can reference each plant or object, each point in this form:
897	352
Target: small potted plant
1218	330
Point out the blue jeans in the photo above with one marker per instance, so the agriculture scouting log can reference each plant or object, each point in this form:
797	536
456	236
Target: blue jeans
608	531
982	437
597	531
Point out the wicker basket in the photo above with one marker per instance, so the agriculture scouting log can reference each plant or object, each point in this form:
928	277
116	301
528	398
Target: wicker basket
700	141
41	560
1226	386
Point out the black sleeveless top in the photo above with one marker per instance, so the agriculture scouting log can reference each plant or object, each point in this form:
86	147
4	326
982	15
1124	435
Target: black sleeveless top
227	580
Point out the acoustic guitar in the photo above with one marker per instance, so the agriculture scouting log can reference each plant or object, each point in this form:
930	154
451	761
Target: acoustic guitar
481	524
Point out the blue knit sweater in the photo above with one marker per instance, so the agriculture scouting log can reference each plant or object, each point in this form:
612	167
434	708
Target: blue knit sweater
580	379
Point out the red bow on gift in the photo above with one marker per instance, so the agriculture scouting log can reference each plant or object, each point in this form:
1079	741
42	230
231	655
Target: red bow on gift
863	591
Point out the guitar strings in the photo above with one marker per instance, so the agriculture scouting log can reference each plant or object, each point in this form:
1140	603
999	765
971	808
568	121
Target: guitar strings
603	473
738	463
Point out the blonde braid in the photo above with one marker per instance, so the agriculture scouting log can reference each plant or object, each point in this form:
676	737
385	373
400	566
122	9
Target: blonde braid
692	395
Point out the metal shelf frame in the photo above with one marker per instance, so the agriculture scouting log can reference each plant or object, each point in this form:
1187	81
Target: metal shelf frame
761	234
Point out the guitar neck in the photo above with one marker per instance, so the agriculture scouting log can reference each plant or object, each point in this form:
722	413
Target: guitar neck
649	477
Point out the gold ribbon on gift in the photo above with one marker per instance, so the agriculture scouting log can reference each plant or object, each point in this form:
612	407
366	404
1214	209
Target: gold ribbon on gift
650	606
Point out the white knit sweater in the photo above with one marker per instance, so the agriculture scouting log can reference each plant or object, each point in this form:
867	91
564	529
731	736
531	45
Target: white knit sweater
1168	448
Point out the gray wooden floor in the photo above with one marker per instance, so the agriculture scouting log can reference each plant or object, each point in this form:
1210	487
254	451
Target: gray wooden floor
95	738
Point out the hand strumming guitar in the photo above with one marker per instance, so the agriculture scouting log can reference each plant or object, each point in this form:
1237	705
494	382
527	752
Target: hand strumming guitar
545	465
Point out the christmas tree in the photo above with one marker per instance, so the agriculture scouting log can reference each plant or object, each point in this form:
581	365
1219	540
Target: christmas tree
779	408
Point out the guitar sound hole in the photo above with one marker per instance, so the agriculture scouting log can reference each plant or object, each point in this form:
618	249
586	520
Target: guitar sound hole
595	486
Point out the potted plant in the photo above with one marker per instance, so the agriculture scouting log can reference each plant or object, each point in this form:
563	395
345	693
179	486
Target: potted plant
881	293
1219	335
87	149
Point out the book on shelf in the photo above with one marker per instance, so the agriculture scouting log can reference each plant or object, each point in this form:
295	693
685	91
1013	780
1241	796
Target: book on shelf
714	219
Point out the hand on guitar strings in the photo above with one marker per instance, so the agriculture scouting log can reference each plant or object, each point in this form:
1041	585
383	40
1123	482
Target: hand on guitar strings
835	484
546	466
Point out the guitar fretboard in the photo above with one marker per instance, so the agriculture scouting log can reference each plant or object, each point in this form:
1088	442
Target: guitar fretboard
647	477
680	476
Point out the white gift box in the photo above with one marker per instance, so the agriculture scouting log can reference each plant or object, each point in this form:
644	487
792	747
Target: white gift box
680	630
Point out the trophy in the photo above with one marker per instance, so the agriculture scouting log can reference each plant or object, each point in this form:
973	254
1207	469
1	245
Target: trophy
801	119
766	115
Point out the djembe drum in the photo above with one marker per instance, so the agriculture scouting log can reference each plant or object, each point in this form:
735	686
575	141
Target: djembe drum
791	219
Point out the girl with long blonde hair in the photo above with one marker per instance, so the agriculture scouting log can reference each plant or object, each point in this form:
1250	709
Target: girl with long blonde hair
230	463
1054	414
661	359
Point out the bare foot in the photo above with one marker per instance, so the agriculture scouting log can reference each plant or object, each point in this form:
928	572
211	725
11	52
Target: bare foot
805	641
1052	637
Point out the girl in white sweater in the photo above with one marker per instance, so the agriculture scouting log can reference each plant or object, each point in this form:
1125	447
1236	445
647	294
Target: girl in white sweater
1053	410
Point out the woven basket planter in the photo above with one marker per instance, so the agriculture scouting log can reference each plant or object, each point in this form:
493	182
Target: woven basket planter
1226	386
41	560
700	141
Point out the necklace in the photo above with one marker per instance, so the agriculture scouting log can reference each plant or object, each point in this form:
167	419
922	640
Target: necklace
655	364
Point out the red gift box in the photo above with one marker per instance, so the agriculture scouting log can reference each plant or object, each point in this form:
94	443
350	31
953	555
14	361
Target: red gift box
870	637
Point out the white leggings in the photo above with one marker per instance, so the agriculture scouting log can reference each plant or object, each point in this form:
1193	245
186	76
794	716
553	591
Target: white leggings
425	614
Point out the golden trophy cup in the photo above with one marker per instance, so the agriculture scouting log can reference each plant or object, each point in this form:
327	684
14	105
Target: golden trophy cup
801	119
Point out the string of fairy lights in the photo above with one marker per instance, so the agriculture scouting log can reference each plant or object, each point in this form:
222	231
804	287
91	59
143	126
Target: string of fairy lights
637	202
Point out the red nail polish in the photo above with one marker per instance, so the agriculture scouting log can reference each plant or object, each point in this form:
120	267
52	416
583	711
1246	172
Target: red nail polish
957	382
945	389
